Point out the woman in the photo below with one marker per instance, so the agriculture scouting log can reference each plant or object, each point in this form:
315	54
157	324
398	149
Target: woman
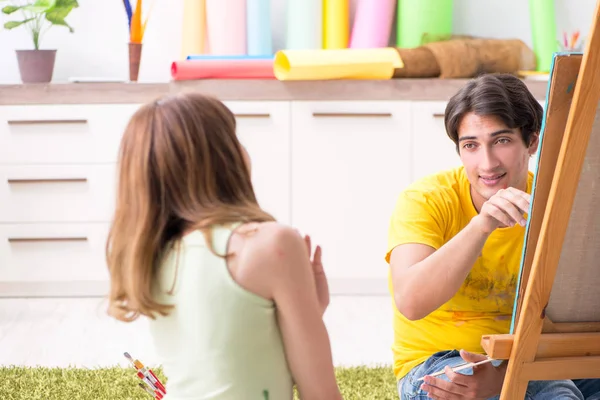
234	299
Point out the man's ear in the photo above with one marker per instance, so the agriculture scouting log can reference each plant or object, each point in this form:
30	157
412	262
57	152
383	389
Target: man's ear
534	142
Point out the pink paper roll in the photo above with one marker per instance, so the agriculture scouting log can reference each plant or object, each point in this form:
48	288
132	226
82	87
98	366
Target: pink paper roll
372	24
226	26
222	69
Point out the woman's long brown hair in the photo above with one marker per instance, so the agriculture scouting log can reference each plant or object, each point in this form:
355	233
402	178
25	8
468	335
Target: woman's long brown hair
181	167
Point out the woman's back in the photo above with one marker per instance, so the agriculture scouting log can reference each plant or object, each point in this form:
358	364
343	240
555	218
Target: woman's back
220	341
182	172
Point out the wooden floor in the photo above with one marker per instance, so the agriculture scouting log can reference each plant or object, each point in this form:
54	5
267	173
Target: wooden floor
77	332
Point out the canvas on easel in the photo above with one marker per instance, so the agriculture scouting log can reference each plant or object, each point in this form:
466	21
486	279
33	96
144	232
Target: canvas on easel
555	332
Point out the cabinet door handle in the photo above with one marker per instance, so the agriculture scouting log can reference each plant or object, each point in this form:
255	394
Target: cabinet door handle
351	114
31	239
252	115
45	180
438	115
46	121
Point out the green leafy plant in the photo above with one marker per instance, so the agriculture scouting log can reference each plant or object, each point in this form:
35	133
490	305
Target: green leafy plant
39	16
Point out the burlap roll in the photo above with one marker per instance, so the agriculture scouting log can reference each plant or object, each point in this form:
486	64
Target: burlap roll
503	56
456	58
418	63
465	58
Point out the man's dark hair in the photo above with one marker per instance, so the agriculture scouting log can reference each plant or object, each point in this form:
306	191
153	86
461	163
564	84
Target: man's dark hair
502	95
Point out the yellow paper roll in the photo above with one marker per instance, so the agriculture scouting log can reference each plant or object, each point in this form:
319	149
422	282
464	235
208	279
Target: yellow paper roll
194	28
336	24
377	63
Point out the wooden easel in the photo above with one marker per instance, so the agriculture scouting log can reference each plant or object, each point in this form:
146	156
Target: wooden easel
556	326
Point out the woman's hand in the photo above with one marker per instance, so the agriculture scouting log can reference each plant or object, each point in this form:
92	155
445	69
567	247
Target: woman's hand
319	274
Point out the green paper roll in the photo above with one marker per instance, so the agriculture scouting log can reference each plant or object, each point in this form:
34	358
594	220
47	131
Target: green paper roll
543	30
423	21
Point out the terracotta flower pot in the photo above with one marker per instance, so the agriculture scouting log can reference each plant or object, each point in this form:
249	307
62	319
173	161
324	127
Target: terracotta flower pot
36	66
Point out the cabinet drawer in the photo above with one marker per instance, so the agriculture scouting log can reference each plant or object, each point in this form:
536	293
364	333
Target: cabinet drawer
349	162
53	252
57	193
62	134
264	129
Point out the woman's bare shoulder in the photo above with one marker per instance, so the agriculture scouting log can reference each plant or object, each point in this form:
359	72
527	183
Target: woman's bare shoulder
266	256
272	240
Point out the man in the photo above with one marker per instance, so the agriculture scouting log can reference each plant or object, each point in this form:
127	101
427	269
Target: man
455	246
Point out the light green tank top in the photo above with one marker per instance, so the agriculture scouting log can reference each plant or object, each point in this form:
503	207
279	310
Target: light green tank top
220	341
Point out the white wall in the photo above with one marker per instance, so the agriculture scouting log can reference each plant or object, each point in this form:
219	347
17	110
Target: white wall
98	48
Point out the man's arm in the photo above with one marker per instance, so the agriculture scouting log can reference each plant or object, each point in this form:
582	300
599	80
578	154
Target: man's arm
424	279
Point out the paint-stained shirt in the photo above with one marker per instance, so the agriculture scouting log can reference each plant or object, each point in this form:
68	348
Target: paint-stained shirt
431	211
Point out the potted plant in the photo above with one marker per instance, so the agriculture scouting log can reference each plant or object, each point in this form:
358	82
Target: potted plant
37	65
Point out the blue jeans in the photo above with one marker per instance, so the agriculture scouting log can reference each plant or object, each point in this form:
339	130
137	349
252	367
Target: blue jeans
581	389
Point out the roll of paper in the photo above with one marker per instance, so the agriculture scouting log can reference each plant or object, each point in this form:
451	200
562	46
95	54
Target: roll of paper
336	64
304	25
226	26
372	24
336	24
193	39
423	21
234	57
222	69
258	27
543	29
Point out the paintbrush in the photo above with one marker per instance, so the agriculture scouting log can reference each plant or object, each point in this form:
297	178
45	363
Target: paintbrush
127	5
460	367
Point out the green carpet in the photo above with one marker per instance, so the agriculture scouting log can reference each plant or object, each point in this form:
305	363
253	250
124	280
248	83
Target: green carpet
18	383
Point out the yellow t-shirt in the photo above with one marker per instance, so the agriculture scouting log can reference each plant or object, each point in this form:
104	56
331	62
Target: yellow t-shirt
431	211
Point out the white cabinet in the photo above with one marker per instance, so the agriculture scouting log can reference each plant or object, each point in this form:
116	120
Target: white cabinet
57	190
58	185
333	169
264	129
349	162
432	149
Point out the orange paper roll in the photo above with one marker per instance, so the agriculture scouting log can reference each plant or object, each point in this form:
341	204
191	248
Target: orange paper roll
193	39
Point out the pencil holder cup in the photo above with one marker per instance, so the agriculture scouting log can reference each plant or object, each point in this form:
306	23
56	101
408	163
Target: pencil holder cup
135	56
